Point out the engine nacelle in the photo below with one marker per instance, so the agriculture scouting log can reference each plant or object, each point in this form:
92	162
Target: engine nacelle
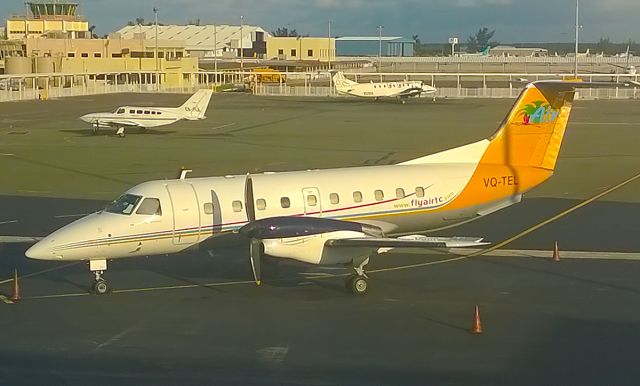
311	249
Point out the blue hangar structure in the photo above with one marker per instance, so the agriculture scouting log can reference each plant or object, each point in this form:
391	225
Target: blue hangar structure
369	46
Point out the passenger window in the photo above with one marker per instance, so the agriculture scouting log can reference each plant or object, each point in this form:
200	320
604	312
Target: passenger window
312	200
147	112
139	112
379	195
159	112
150	206
132	111
399	193
334	198
208	208
153	113
357	196
285	202
419	192
261	204
237	206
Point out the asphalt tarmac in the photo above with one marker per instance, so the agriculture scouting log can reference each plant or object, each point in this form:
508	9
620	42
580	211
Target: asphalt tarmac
197	317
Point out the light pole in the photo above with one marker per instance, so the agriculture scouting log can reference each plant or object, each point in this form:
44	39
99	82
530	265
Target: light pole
329	56
215	55
155	11
575	72
380	27
241	50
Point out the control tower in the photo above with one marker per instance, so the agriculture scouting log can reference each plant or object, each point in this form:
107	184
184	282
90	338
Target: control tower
52	18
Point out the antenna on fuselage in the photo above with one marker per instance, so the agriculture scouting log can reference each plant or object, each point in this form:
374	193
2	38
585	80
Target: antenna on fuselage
182	173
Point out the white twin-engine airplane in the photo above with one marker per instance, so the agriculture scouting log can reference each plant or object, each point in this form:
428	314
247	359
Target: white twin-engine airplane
334	216
145	117
402	89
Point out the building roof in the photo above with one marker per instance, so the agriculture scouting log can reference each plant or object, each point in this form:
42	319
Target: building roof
196	37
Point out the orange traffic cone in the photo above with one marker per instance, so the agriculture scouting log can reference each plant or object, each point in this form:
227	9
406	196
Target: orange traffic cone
476	327
556	252
15	296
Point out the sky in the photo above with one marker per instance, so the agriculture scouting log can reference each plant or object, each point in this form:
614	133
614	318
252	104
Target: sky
515	21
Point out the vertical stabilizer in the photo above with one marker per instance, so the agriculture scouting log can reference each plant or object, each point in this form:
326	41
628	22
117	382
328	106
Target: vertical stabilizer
341	82
196	106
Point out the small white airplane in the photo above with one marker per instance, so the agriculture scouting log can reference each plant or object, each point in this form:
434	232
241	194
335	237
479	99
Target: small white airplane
334	216
402	89
145	117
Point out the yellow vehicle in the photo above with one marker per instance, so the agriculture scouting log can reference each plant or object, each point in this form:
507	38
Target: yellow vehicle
268	75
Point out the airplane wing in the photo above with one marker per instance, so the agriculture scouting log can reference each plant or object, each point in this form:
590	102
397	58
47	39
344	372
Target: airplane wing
410	92
412	241
121	123
19	239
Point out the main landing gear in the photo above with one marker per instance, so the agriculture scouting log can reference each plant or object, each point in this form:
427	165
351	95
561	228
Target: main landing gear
100	286
358	282
120	132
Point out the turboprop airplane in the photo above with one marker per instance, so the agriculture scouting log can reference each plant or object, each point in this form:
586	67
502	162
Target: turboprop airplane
402	90
334	216
145	117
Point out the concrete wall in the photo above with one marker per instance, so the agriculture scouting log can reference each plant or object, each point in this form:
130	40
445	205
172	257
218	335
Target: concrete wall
18	28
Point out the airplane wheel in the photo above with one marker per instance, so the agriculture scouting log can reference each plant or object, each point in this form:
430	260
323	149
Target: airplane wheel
100	287
403	101
358	285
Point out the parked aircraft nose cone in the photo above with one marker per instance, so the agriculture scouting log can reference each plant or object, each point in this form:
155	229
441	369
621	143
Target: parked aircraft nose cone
40	251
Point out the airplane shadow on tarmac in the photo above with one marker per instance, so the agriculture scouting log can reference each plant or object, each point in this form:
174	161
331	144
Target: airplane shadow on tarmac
112	132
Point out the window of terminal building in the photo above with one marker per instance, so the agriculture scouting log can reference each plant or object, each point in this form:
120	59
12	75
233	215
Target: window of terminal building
294	52
71	54
97	55
309	52
84	55
280	51
116	55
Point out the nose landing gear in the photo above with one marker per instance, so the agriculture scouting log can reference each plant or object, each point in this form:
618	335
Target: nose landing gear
100	286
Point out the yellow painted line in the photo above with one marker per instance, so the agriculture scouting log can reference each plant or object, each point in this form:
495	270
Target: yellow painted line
145	289
6	300
41	272
519	235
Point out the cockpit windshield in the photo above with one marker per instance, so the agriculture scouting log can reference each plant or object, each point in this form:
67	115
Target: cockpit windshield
125	204
119	110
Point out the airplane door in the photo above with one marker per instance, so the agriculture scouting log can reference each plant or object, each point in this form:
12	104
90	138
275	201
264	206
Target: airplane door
186	216
312	204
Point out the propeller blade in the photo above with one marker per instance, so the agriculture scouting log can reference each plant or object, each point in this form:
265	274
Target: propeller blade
248	199
255	253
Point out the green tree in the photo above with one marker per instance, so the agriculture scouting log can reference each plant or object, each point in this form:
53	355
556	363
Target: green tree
285	32
481	40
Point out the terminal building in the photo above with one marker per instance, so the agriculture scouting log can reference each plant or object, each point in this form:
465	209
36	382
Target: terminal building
370	46
207	41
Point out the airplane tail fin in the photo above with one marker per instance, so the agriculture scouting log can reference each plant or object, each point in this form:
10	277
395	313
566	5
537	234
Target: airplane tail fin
341	82
196	106
530	135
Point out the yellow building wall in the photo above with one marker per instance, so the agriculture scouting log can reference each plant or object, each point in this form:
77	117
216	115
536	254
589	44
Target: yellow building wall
306	48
